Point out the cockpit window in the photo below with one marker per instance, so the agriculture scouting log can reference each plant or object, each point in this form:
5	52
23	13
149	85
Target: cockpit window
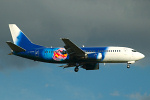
134	51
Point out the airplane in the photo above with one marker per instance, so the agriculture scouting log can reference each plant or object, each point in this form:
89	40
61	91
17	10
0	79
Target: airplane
73	56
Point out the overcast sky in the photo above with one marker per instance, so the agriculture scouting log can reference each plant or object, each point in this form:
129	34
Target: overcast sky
85	22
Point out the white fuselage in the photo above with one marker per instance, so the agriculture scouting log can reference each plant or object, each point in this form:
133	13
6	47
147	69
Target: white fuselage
121	55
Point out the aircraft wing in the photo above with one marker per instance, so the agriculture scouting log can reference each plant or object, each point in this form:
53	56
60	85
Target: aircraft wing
72	49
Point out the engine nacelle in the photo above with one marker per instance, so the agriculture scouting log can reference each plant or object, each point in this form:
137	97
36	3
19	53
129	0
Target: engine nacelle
94	56
91	66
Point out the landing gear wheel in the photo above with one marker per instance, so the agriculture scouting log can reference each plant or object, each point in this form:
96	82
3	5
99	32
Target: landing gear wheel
128	66
76	69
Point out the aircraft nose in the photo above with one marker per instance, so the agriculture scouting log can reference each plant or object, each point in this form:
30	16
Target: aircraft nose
142	56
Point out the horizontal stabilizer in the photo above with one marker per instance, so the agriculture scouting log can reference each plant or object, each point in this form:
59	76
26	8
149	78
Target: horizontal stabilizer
15	47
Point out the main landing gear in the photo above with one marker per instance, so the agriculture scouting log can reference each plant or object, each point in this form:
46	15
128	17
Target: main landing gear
76	69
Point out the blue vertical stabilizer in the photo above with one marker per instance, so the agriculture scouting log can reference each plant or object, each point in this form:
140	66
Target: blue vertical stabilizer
20	39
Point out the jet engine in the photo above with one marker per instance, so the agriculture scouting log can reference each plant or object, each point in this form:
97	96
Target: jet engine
94	56
91	66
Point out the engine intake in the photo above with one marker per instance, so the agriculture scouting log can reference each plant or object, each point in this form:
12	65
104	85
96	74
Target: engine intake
93	56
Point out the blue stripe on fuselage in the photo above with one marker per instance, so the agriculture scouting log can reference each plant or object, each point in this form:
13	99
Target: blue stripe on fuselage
47	54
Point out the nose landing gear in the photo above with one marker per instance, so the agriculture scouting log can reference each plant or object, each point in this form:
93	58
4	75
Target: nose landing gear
130	62
128	66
